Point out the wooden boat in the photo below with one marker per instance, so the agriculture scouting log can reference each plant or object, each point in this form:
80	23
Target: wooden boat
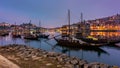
40	34
30	36
98	41
74	43
68	41
16	33
4	34
43	36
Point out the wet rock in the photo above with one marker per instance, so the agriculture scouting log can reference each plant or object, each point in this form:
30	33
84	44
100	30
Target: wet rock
69	66
95	66
82	62
74	62
86	66
103	65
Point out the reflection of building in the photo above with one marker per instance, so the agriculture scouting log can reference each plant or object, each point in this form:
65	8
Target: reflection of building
106	35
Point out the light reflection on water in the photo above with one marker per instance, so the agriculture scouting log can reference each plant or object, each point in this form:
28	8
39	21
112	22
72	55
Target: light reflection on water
108	54
106	35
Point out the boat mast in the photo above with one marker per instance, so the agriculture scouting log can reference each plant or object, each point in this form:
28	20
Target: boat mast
29	26
40	26
15	29
69	23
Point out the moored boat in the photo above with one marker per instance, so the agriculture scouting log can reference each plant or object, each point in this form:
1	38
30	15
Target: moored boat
68	41
98	41
16	35
74	43
42	36
4	33
16	32
30	37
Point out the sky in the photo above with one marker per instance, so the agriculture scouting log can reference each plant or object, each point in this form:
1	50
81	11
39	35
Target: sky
53	13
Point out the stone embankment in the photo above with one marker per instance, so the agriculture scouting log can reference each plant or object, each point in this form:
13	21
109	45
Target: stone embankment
58	60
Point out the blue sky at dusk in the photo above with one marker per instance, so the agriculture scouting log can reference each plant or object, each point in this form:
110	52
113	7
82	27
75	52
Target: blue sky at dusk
53	13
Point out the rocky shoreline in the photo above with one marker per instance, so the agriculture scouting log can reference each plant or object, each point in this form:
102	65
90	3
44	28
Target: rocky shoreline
53	60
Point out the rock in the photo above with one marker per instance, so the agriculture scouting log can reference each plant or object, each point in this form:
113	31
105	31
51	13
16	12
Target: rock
69	66
86	66
93	63
68	62
103	65
95	66
59	66
26	59
49	64
74	62
60	59
45	56
77	66
51	54
44	52
64	55
83	62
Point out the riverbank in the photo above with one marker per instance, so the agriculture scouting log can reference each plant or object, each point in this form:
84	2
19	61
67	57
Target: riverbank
5	63
28	57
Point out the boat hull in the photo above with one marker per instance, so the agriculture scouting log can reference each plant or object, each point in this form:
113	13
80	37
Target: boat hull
72	43
100	41
31	37
16	36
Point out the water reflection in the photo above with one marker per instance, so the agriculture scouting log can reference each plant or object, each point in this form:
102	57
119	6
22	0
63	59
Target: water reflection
106	35
98	50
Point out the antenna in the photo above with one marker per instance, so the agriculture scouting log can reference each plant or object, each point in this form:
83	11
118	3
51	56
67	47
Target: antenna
81	17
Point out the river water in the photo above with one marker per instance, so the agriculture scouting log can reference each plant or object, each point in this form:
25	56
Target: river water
107	54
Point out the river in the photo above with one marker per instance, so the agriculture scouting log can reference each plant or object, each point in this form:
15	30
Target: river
107	54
